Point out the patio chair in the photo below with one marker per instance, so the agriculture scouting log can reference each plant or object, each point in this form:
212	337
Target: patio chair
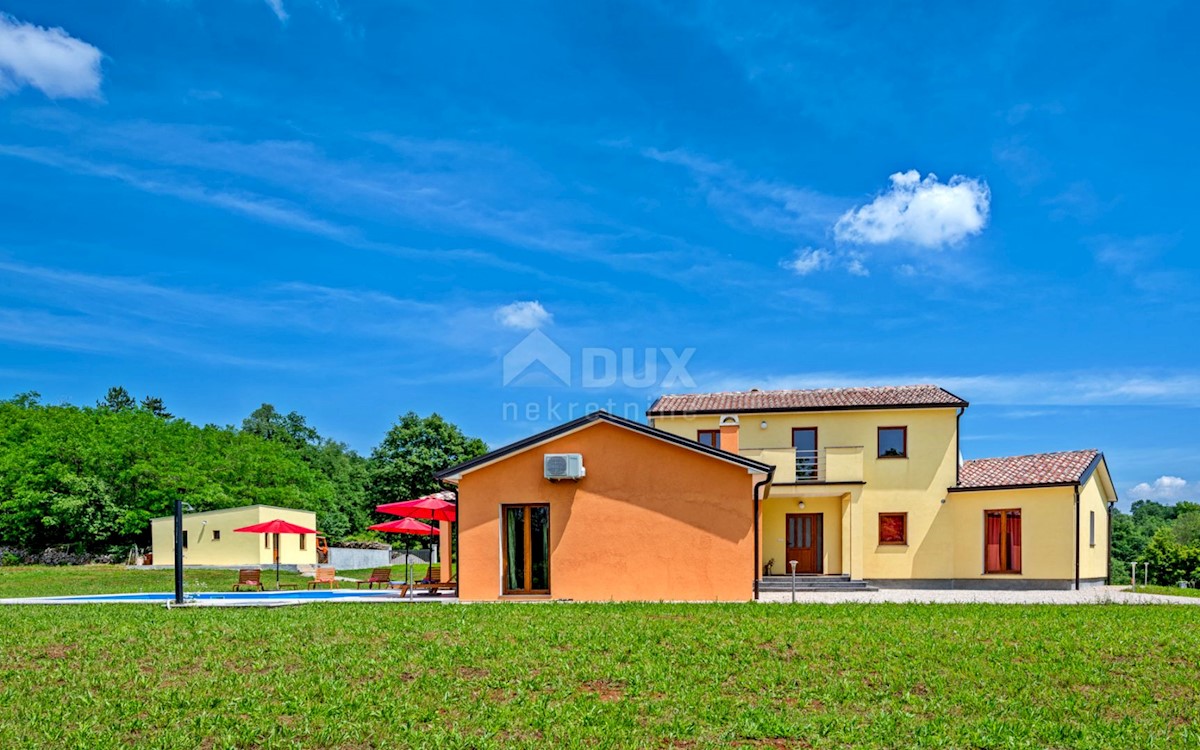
435	585
251	577
433	575
324	575
381	577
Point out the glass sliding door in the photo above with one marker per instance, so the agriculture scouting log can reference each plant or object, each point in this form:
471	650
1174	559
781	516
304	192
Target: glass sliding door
526	549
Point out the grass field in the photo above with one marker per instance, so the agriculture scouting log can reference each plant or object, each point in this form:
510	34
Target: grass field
1165	591
570	675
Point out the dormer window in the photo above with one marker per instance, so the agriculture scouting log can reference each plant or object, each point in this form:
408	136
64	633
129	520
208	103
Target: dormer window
893	442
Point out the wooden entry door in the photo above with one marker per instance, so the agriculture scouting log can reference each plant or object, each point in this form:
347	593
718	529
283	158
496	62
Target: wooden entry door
805	542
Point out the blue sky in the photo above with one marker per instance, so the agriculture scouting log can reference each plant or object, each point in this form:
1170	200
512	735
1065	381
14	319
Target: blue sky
354	209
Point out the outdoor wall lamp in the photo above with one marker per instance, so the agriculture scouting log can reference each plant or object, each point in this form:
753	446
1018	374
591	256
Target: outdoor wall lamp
762	425
800	504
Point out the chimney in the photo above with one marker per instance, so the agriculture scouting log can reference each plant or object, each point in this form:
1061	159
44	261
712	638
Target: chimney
729	432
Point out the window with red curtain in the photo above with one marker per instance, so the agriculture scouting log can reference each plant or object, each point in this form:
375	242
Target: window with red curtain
1002	541
893	528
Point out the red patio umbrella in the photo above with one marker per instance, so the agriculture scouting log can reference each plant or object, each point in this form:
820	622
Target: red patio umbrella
436	507
275	528
406	526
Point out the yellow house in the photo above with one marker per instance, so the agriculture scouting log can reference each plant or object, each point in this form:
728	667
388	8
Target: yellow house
869	485
209	538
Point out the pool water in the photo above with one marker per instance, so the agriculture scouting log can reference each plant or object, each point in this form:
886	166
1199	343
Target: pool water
227	597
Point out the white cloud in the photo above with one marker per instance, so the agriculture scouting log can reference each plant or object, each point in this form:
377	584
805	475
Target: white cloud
808	260
1164	488
524	316
276	7
916	211
50	60
856	267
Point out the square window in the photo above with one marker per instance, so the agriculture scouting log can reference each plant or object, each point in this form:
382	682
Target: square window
893	442
711	438
893	528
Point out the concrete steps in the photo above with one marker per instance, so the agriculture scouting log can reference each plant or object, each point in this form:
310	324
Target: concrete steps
830	583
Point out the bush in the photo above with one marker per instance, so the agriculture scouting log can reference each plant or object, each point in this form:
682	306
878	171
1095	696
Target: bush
1171	562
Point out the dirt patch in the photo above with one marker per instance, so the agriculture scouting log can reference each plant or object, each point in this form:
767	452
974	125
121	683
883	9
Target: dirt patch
780	742
605	690
472	673
59	650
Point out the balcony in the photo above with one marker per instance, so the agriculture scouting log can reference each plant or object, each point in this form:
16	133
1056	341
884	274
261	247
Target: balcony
831	465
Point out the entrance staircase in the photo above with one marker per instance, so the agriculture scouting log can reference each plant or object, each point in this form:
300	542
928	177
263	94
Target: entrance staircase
830	583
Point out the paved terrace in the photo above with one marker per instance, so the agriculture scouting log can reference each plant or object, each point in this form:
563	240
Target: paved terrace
1095	595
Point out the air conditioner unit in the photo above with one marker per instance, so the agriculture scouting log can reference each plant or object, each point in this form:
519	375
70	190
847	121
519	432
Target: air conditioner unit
563	466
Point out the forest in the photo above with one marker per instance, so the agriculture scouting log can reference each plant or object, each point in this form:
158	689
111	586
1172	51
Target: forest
1167	537
86	480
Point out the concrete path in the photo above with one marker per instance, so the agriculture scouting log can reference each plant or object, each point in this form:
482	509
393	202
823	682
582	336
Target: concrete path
1096	595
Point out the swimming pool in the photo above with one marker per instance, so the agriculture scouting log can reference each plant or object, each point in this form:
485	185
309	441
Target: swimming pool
228	598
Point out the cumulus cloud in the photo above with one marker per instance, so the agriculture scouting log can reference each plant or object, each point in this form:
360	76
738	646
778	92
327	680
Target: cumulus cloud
277	8
1164	488
524	316
808	260
50	60
922	212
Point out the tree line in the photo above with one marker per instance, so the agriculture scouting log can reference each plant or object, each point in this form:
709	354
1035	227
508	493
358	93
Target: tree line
1167	537
92	477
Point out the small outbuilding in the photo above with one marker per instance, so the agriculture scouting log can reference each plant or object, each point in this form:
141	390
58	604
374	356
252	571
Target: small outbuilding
604	508
209	538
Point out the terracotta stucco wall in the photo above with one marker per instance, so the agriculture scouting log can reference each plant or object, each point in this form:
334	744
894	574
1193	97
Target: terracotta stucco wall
650	521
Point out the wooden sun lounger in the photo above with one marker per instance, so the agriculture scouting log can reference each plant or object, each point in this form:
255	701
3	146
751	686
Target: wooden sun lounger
381	577
249	577
324	575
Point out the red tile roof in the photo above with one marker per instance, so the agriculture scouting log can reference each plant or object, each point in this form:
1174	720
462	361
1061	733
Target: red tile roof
822	399
1022	471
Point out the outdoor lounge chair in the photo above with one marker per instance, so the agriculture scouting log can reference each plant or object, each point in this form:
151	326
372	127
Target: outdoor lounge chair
324	575
251	577
435	586
381	577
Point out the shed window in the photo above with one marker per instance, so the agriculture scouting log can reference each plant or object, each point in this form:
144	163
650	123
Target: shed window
1092	528
216	535
1002	541
185	538
711	438
304	541
893	442
266	541
893	528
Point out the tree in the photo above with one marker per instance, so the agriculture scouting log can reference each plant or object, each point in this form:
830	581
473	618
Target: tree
155	406
1187	528
117	399
269	424
402	467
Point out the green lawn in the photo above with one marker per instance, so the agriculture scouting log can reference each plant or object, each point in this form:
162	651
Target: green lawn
1166	591
603	675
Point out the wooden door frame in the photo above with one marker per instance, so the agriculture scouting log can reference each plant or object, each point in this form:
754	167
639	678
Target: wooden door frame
818	538
528	542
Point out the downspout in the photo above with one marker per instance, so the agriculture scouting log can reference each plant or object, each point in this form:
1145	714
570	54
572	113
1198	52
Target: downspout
1077	529
754	556
1108	564
957	447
